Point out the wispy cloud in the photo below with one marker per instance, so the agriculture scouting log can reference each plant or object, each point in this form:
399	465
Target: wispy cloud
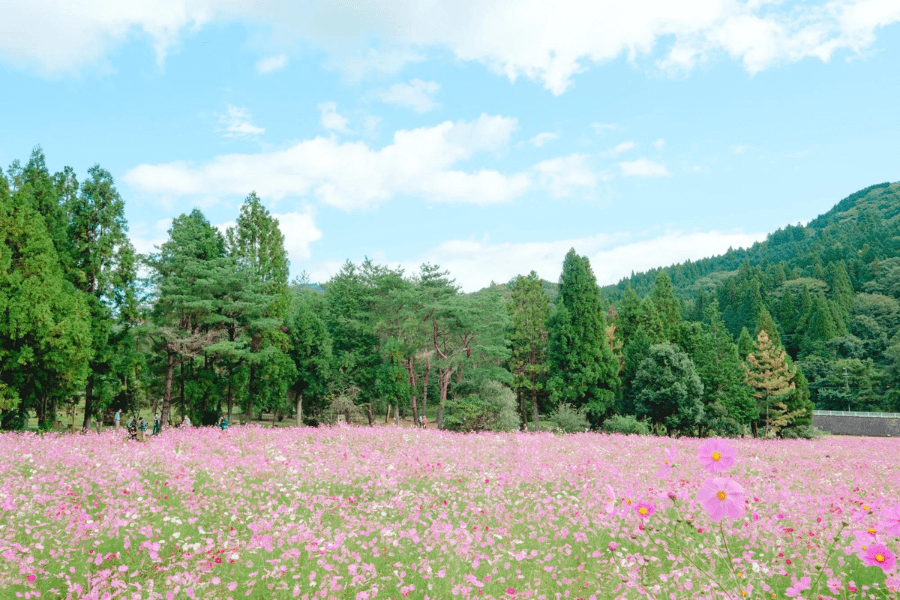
643	167
742	149
619	149
236	123
270	64
659	144
417	95
542	138
331	119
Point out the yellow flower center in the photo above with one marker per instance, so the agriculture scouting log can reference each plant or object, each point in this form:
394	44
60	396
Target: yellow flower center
864	547
865	507
716	456
628	501
667	462
720	495
879	557
872	530
643	510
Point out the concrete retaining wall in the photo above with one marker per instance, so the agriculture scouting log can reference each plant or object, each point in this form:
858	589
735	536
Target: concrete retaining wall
857	423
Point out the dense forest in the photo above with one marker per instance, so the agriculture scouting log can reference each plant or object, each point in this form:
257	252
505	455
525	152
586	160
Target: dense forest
210	325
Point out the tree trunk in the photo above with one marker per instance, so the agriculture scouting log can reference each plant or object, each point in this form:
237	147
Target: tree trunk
230	392
299	410
410	364
251	392
371	416
444	377
88	403
167	397
397	415
425	387
182	387
534	408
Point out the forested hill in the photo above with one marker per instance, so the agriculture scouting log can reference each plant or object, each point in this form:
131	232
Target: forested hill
829	291
860	229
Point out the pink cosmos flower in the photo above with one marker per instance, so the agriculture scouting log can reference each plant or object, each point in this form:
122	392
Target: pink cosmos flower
644	509
879	555
610	505
890	521
668	462
835	585
716	455
32	578
798	587
721	498
511	591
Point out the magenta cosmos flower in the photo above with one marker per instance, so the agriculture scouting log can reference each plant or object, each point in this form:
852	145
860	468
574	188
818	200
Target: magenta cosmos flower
644	509
716	455
879	555
890	521
721	498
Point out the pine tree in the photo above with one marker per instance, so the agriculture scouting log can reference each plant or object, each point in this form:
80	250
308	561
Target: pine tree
584	370
770	376
529	310
745	344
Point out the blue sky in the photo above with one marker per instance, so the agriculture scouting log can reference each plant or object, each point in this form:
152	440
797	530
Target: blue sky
488	138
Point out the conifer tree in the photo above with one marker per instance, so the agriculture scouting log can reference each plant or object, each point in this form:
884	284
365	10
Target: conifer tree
668	308
45	338
770	376
529	310
584	370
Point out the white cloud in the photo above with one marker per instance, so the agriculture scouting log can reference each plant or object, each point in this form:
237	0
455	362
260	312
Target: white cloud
548	42
146	236
659	144
741	149
417	95
476	263
560	176
542	138
620	149
350	175
643	167
235	123
299	229
270	64
331	119
601	128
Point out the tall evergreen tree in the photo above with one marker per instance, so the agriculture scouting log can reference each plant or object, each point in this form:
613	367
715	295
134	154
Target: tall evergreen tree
667	306
103	267
770	376
45	338
584	370
529	311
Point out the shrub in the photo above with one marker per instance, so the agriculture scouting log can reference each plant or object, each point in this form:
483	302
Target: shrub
492	408
627	424
569	419
806	432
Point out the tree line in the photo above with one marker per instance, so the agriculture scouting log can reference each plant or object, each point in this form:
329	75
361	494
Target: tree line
210	325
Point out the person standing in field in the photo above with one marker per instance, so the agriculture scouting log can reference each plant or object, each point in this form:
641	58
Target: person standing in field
186	421
118	418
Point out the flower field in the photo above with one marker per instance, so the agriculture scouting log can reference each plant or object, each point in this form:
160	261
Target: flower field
364	513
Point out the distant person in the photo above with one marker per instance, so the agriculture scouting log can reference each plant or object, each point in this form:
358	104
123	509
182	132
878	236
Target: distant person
117	418
186	421
156	424
223	423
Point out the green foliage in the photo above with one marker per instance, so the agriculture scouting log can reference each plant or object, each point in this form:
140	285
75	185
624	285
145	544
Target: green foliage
492	408
669	390
529	310
584	370
626	425
568	419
